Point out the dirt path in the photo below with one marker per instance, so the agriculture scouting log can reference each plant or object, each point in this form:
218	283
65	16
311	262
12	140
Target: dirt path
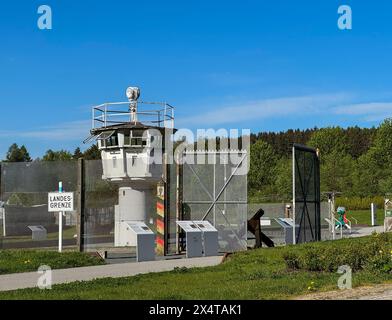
379	292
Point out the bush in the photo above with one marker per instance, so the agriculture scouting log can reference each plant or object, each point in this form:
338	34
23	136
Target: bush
373	253
292	260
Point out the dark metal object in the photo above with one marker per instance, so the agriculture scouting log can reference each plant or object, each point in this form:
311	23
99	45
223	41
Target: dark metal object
255	228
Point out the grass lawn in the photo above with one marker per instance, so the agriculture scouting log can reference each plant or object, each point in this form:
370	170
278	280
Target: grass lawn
16	261
256	274
364	218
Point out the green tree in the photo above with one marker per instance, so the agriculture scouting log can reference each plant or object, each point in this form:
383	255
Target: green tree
373	176
382	148
262	167
92	153
328	140
61	155
16	154
366	176
284	179
336	172
77	154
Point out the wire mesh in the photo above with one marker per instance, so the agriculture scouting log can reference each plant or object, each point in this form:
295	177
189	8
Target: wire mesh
24	191
214	189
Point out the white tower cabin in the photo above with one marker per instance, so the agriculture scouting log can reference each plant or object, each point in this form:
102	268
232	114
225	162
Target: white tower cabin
131	137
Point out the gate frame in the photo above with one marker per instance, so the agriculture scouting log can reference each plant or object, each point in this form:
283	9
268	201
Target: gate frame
316	163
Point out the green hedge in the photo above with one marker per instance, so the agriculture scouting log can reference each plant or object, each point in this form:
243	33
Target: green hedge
358	203
372	253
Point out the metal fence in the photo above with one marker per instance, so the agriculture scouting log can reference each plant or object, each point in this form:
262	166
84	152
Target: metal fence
215	189
24	191
25	222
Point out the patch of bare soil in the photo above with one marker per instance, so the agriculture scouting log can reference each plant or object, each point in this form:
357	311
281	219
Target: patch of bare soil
378	292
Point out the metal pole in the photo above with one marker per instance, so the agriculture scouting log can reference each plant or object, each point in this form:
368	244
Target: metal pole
4	231
60	222
93	119
1	198
294	231
214	191
81	199
104	116
373	214
225	193
166	218
179	173
333	215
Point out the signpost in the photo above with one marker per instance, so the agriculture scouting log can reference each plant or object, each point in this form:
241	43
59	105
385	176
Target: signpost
60	202
2	212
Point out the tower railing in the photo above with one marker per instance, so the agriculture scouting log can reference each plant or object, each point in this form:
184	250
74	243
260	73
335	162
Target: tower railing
158	114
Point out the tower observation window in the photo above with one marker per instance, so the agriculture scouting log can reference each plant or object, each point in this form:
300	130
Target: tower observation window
134	138
112	141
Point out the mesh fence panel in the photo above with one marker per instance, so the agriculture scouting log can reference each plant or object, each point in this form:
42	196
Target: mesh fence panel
100	198
214	191
24	191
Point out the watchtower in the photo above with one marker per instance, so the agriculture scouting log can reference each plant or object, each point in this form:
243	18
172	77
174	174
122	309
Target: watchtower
131	138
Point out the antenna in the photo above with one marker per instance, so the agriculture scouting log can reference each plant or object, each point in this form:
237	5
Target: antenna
133	93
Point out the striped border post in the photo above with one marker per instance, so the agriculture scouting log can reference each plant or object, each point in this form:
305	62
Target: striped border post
160	219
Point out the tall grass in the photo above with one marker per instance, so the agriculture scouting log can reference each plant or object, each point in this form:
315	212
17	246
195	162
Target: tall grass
360	203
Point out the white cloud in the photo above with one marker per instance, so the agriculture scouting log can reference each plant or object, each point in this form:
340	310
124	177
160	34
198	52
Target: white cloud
264	109
372	111
76	130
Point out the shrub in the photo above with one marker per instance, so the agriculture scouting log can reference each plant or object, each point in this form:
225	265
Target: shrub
380	263
292	260
373	253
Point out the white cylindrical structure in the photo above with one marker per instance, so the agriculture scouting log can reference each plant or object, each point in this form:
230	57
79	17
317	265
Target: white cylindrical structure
373	209
135	202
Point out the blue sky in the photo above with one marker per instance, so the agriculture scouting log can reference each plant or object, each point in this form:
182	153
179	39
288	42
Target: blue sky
262	65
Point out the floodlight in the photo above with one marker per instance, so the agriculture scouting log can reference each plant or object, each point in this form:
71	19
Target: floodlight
133	93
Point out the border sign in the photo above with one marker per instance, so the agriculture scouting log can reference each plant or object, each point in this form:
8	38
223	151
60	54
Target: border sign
60	201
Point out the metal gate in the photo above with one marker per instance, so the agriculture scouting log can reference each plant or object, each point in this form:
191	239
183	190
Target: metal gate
306	194
215	189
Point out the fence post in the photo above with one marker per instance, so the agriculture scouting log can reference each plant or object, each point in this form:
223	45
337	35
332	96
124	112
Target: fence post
3	209
167	204
1	172
179	186
373	211
81	200
1	184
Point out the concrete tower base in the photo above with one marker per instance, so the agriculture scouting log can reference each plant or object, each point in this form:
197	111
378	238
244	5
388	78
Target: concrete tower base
135	203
